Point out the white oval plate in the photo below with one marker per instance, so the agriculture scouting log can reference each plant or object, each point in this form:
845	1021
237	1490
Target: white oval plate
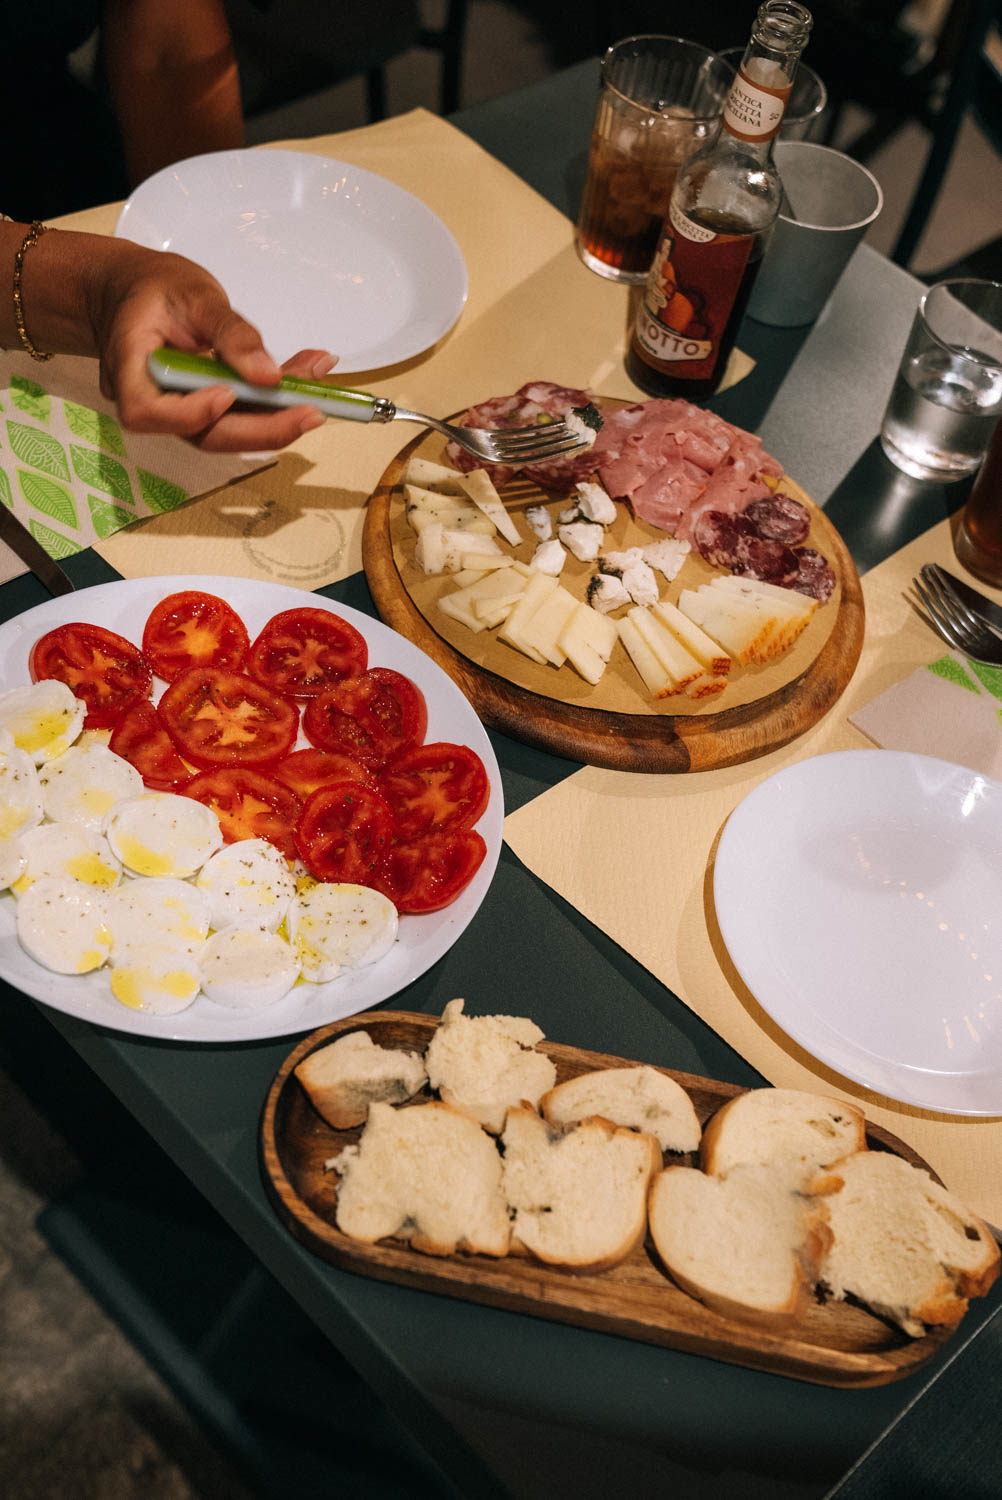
860	897
316	253
123	607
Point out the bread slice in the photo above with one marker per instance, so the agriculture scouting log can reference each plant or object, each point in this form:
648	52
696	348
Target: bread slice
427	1174
902	1244
800	1130
483	1064
345	1077
641	1098
579	1195
748	1245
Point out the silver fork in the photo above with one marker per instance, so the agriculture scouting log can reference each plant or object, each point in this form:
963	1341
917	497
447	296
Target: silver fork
177	370
957	625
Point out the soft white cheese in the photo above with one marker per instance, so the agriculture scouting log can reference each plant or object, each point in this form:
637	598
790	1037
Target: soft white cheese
549	557
583	538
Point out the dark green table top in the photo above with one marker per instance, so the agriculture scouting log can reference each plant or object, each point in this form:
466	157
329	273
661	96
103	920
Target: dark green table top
507	1403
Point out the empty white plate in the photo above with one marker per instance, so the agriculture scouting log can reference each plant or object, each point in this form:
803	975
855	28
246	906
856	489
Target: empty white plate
860	897
316	253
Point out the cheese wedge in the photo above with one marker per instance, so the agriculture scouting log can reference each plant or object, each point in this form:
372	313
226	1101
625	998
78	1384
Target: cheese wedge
434	476
742	631
682	669
791	610
480	488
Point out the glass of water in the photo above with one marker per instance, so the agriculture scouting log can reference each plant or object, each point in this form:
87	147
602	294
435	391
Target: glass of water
947	395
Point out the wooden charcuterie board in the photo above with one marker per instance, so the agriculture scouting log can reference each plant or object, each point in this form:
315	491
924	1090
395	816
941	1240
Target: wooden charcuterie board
615	724
838	1344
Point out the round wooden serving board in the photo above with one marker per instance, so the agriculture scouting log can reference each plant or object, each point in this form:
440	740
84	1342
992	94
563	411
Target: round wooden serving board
837	1344
614	724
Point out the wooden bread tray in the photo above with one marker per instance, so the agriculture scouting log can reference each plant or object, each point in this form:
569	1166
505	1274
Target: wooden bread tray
838	1344
615	724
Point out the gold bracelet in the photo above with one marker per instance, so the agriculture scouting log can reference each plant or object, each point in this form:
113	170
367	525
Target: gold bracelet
33	236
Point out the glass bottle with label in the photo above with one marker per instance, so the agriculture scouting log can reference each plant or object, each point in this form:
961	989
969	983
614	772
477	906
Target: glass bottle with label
724	203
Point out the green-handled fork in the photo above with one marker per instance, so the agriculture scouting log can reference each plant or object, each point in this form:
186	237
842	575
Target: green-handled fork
177	370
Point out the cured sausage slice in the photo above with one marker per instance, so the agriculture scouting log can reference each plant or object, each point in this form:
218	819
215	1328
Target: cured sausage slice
718	536
780	518
815	575
769	562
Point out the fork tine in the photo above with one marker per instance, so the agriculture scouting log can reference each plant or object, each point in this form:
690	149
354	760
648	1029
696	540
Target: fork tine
976	643
950	602
541	450
938	618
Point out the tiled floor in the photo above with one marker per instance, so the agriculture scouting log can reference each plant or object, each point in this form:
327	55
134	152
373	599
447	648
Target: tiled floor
82	1414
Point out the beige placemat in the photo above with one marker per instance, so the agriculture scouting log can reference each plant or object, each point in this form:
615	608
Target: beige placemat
533	312
635	855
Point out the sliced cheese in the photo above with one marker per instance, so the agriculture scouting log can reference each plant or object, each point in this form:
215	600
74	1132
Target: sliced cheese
500	587
480	488
656	679
587	641
467	576
682	669
458	607
546	625
707	652
434	476
537	587
791	610
424	507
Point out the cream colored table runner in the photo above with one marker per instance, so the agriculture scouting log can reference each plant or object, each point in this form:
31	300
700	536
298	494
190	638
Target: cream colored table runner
533	312
635	855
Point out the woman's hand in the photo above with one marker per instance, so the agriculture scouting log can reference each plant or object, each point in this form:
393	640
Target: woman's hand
141	299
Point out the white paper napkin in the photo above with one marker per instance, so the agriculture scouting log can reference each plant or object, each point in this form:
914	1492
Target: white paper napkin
951	708
73	475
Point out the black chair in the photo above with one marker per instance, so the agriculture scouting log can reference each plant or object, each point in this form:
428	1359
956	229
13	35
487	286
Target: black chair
287	49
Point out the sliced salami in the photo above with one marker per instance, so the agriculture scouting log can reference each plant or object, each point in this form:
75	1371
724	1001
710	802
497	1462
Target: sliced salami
768	561
780	518
718	537
539	401
815	575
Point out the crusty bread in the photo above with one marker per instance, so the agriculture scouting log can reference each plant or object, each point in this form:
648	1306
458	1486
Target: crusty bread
787	1128
639	1097
483	1064
746	1244
579	1195
901	1243
345	1077
428	1174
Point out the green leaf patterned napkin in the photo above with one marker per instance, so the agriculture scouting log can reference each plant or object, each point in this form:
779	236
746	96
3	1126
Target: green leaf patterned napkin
951	708
71	473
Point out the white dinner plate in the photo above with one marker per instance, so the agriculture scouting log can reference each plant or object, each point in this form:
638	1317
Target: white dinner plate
123	607
316	253
860	897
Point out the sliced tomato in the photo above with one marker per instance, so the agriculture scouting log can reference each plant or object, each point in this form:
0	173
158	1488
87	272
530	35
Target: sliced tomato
306	770
373	716
249	805
219	718
302	651
439	788
192	629
344	832
108	672
429	872
141	739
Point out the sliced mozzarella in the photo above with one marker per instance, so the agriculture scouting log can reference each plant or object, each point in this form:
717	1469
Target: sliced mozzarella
156	978
13	862
157	911
161	833
44	718
67	851
340	926
20	793
85	782
248	968
61	924
249	884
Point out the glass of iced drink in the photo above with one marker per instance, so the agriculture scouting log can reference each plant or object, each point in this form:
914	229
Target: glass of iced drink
660	99
947	395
